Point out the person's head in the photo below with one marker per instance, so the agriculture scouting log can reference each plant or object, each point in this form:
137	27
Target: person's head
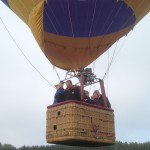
96	94
97	91
69	84
59	85
86	93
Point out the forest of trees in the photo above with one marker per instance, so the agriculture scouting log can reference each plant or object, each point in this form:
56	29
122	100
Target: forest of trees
117	146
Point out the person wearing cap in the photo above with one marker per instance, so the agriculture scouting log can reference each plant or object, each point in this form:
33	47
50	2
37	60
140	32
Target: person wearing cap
59	95
71	92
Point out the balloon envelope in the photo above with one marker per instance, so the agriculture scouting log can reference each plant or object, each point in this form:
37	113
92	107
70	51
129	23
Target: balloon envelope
73	33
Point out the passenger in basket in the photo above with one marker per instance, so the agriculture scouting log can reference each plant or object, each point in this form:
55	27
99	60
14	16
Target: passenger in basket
59	95
71	92
97	97
87	98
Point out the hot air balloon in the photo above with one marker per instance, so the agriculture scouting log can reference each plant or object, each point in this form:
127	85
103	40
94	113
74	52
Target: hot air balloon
72	34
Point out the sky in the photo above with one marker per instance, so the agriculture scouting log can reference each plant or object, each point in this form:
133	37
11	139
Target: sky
25	94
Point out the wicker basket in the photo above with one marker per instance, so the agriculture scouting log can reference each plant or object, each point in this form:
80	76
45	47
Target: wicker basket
80	124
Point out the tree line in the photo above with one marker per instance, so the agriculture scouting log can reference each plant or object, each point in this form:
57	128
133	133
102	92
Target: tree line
117	146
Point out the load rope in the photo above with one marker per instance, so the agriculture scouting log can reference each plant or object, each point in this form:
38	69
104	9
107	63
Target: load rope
24	54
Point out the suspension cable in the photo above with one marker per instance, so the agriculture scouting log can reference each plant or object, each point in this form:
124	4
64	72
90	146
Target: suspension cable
109	65
24	54
56	73
113	57
70	19
51	21
108	73
92	18
107	28
120	48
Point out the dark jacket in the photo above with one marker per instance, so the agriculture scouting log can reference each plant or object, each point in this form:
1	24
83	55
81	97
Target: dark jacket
88	100
73	93
59	96
101	103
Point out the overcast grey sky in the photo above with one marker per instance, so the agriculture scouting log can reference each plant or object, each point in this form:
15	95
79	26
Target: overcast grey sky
25	95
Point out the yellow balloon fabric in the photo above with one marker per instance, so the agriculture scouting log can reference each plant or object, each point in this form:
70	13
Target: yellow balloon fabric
73	33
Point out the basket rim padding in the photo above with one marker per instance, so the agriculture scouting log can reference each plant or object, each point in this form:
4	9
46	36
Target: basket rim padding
82	103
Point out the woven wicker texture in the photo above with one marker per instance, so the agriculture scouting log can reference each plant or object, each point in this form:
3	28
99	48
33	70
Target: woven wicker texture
79	122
